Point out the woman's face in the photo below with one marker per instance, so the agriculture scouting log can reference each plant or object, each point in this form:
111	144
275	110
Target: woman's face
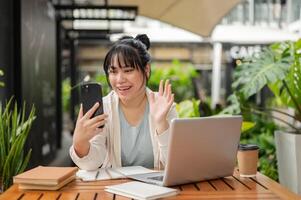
126	81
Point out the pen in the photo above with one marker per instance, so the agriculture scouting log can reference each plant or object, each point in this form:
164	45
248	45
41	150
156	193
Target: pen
97	173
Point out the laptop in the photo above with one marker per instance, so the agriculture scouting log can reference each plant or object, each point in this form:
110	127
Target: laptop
199	149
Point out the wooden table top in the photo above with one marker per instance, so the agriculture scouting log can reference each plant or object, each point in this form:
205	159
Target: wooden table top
232	187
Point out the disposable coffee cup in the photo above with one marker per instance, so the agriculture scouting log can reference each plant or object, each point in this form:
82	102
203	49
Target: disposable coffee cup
247	158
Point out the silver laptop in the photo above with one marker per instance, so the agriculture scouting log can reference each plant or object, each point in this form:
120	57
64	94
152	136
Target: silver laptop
199	149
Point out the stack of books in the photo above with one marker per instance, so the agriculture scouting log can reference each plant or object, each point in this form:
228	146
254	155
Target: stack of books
45	178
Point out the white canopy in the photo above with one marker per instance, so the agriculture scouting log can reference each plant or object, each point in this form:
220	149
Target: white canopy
197	16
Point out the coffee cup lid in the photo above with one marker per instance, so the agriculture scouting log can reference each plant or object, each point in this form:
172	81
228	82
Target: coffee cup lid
245	147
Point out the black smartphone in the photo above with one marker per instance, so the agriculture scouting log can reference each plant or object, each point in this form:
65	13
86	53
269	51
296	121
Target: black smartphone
90	93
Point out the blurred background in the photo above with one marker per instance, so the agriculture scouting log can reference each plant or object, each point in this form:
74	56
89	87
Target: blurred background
49	47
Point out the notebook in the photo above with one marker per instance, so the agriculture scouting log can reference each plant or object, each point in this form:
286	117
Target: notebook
25	186
41	175
139	190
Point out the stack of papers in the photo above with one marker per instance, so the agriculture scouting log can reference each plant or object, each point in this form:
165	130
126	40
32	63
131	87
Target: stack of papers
139	190
111	173
45	178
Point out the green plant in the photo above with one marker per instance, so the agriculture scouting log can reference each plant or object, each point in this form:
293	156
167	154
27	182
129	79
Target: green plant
180	76
66	90
247	126
14	129
277	67
101	78
188	108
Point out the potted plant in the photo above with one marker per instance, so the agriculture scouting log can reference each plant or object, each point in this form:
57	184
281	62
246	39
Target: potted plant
277	67
14	129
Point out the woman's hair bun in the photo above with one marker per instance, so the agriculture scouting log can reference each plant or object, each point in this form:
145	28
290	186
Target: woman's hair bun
144	39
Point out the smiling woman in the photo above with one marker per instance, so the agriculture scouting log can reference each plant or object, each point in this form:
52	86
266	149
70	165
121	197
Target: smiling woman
136	119
124	67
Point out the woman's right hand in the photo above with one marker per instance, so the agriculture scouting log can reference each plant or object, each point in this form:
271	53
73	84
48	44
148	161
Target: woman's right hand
86	128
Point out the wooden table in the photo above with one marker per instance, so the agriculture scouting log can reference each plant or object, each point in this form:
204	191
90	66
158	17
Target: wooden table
233	187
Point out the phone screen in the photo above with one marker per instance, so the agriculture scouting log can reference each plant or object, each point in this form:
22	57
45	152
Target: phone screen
90	93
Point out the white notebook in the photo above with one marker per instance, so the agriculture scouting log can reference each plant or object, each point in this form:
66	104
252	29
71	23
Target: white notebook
141	191
111	173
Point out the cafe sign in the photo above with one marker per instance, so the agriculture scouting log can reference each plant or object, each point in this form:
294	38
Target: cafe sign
240	52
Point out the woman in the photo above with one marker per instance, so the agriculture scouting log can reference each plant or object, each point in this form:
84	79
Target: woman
136	119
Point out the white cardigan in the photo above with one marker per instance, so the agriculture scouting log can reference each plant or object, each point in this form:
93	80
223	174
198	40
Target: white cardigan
105	148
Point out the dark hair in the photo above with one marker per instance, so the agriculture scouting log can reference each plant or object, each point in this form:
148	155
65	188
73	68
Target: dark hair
132	51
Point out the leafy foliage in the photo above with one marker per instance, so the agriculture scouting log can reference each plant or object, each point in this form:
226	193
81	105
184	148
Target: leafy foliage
101	78
188	108
234	107
180	76
247	126
251	76
14	129
289	89
66	89
277	67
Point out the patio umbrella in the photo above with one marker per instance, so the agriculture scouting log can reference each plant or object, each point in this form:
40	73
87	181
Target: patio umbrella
197	16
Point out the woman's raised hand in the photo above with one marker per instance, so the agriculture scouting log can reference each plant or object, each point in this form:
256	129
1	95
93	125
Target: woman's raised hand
86	128
160	104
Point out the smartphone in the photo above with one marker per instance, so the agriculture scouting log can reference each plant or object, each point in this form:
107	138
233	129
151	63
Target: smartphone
90	93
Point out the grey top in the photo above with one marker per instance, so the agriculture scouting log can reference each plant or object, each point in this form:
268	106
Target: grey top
136	144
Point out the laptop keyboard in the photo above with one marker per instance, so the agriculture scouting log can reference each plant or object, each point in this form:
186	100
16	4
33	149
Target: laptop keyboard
157	178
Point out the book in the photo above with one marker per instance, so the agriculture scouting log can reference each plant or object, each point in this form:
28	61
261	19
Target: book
111	173
25	186
141	191
42	175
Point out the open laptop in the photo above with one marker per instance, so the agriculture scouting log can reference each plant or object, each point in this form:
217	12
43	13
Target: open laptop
199	149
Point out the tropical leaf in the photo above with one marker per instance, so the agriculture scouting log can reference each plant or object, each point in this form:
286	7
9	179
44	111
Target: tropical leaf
279	68
289	89
251	76
234	107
